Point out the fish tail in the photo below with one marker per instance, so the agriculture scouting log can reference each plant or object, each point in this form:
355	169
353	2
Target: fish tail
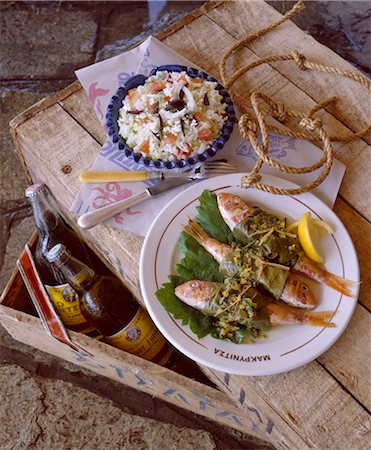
217	249
309	268
196	231
320	318
281	314
346	287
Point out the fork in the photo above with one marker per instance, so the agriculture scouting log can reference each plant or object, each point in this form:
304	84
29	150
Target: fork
198	171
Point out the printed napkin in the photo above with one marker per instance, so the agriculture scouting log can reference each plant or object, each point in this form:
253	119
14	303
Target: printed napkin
102	79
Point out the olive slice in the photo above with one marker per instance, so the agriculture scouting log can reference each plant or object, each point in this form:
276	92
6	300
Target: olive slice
175	105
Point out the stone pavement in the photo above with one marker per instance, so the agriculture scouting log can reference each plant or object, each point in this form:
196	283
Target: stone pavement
47	402
40	421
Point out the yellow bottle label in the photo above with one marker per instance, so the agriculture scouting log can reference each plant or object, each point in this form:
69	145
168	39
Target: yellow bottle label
139	337
67	304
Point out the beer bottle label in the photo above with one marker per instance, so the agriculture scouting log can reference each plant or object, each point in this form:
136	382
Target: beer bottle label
67	304
139	337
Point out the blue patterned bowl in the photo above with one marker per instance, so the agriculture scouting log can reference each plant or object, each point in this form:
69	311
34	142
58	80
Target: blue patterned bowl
116	103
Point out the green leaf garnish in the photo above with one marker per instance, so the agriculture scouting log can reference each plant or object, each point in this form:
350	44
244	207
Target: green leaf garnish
200	324
210	219
197	263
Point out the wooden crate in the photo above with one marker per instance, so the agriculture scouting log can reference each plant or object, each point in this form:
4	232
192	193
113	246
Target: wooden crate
19	317
324	404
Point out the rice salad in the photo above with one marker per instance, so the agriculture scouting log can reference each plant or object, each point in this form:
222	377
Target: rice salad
172	116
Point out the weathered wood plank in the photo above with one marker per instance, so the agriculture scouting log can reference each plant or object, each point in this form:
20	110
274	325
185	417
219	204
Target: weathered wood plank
203	9
79	107
240	18
313	405
357	178
203	34
360	231
352	350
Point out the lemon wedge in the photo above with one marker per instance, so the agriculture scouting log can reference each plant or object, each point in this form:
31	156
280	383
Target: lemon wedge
323	227
309	233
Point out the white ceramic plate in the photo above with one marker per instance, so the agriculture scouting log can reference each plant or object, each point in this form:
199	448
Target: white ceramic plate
287	346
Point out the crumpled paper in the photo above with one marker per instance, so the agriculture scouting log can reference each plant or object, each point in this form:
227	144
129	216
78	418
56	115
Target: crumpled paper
102	79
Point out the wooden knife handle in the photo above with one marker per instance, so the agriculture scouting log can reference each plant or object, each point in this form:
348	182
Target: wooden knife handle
112	175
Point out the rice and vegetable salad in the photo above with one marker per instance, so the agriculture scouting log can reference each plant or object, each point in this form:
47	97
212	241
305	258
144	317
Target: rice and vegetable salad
172	116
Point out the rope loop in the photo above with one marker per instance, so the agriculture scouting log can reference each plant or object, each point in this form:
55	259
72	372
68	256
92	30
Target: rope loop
248	124
278	111
250	180
300	60
310	124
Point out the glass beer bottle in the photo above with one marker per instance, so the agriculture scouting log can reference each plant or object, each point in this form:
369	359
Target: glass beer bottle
52	229
109	306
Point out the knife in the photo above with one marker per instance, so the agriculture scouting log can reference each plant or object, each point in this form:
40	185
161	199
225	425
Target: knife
92	218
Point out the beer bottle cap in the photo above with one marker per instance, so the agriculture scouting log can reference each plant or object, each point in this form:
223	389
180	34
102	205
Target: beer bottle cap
35	189
56	252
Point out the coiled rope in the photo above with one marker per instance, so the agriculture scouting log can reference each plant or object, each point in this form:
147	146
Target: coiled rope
310	128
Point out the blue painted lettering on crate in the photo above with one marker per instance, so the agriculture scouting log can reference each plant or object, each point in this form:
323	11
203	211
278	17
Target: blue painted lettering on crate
119	371
270	426
204	404
79	357
140	380
242	396
254	410
230	416
226	378
178	394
